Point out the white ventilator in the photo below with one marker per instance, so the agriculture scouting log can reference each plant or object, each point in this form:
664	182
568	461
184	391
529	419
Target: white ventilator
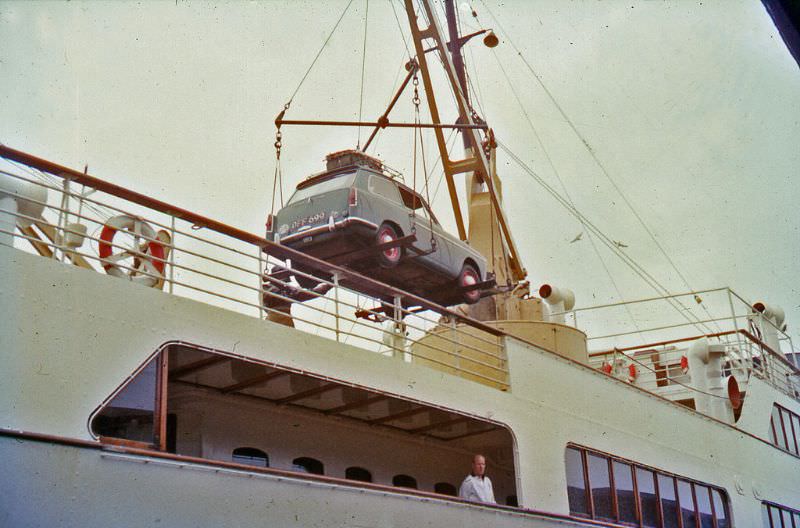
558	300
770	320
706	371
21	202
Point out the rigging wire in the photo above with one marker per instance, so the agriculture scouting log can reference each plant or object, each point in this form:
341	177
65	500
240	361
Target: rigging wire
607	241
324	44
452	137
363	69
395	86
599	164
400	27
566	192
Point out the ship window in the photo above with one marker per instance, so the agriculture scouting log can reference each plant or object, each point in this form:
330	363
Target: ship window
358	473
645	480
796	433
600	486
445	488
631	494
250	456
666	490
172	433
765	517
777	424
721	510
686	502
308	465
130	414
777	516
701	493
404	481
576	483
623	483
784	429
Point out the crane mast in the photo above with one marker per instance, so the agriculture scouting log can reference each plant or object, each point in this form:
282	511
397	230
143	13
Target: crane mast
489	231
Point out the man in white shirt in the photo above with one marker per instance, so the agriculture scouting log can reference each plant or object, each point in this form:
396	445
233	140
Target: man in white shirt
477	487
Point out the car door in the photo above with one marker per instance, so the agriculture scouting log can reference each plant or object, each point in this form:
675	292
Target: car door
385	203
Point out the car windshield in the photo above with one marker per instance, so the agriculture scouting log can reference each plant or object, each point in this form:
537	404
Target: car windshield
340	181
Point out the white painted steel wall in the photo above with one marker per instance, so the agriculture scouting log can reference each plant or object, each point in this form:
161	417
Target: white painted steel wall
87	488
71	337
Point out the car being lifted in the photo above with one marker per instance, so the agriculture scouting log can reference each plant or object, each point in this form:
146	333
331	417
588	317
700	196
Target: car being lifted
357	215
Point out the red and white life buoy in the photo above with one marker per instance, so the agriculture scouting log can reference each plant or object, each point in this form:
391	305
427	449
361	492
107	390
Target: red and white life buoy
606	367
147	266
684	364
632	373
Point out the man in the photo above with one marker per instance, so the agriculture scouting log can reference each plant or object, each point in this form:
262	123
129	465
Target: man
477	487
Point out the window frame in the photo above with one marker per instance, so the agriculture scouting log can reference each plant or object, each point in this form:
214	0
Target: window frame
159	438
786	438
252	457
695	486
770	506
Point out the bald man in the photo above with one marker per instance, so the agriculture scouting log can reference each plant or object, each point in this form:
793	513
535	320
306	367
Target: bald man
477	487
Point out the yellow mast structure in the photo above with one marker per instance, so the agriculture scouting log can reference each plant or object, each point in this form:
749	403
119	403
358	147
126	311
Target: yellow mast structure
488	228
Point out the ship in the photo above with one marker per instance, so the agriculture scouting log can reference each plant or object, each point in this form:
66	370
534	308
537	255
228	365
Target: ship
163	368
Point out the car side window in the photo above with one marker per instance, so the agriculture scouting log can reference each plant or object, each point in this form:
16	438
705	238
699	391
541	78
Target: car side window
383	187
414	201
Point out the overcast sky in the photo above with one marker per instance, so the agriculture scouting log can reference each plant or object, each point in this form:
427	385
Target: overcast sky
693	108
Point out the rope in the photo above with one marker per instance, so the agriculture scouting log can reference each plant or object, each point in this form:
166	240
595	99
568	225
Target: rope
363	69
425	173
450	138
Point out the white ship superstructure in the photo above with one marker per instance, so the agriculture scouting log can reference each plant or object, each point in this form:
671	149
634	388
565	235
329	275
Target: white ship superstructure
128	405
163	368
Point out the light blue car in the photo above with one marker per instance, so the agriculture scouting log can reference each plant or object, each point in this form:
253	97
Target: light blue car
357	215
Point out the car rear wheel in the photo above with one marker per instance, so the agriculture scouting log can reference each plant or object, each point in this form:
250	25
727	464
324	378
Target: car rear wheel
388	258
469	277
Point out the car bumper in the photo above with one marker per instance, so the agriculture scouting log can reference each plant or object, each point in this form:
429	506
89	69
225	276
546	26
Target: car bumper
351	223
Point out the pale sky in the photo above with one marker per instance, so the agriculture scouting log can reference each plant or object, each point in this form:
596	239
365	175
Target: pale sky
692	107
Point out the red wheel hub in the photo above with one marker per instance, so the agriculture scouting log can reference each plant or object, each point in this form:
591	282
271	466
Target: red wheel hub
387	235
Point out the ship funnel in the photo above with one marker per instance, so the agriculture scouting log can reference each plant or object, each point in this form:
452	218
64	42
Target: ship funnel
558	300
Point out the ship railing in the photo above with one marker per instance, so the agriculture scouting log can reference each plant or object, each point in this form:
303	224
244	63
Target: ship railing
651	352
185	254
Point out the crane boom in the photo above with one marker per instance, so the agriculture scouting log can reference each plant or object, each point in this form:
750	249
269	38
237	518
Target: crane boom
475	160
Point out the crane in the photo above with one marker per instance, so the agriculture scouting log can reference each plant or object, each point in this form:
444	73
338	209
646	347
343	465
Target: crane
488	227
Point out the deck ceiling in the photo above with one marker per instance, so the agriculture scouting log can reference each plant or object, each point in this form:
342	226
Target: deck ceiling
276	386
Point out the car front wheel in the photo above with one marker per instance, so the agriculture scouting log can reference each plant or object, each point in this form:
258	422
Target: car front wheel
388	258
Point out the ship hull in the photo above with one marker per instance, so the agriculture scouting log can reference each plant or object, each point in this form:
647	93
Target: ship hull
51	483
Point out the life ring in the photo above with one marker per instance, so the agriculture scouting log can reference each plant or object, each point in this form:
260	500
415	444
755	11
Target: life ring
684	364
148	258
632	373
606	367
